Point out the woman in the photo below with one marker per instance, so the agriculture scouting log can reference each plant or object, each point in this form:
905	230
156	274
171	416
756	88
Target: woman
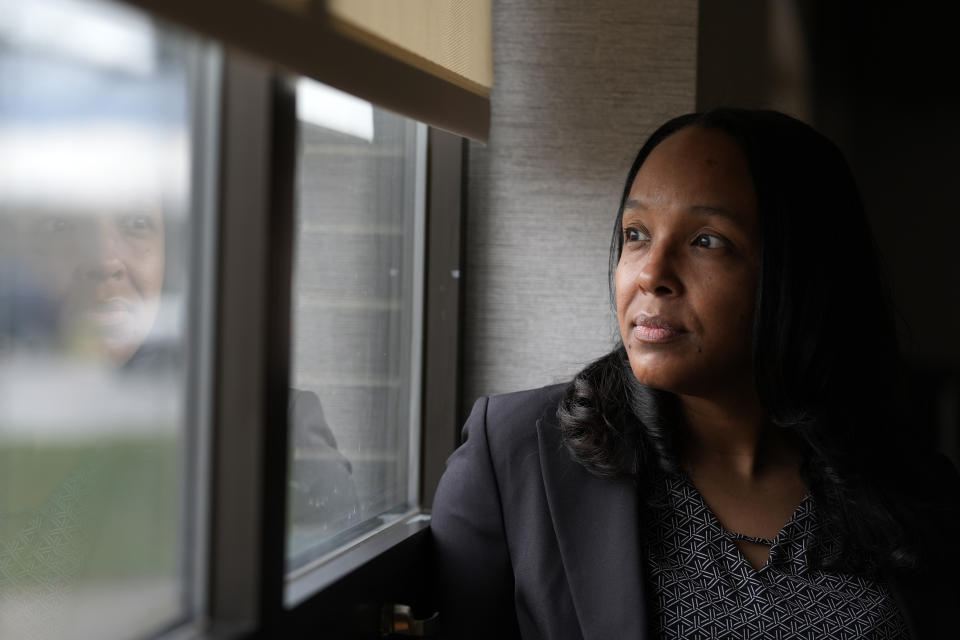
737	466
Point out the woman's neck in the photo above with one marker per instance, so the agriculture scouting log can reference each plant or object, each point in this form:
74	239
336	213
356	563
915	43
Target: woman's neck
746	470
732	433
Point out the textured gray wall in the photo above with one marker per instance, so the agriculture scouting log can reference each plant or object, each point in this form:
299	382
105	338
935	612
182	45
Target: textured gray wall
578	87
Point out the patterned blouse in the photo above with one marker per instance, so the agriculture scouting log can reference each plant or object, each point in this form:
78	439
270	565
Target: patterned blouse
701	586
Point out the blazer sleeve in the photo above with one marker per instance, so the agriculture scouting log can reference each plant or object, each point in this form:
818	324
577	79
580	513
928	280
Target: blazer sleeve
473	572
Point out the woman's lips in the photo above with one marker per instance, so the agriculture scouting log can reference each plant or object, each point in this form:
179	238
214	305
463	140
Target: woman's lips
656	330
111	313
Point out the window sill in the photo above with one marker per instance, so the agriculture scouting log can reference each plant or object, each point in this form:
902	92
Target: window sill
305	583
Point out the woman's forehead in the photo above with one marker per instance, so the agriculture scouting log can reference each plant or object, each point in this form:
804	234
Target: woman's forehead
695	168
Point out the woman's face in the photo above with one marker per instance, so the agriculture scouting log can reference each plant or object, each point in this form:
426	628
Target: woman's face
106	269
687	277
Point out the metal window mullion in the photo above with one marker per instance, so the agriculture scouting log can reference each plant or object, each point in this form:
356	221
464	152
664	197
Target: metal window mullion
235	561
415	336
206	73
441	379
276	438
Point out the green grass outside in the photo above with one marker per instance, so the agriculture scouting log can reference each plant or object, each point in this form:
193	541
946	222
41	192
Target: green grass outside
130	518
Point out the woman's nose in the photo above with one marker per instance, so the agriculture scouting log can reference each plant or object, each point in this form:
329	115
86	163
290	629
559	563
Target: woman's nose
106	262
658	273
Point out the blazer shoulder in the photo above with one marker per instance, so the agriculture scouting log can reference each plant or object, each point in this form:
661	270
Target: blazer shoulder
512	418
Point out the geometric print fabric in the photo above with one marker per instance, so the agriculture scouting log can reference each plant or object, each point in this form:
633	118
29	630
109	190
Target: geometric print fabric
702	587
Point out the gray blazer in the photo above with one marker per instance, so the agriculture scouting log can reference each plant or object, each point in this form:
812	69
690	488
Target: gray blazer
528	544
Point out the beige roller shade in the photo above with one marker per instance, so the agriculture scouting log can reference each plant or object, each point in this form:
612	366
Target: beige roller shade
428	59
449	38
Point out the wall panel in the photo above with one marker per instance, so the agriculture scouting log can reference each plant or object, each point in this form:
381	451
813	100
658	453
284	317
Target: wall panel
578	88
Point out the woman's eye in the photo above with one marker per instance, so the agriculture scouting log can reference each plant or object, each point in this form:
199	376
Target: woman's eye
632	234
54	225
136	223
708	241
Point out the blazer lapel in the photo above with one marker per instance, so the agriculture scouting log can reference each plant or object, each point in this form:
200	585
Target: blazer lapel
597	528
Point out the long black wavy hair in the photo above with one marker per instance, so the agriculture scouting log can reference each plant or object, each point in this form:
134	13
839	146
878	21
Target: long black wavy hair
825	345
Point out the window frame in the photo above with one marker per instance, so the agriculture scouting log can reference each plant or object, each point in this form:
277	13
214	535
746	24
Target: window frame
247	562
243	116
206	71
235	564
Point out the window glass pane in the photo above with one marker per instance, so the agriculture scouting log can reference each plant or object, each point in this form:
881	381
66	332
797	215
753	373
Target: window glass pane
356	298
96	145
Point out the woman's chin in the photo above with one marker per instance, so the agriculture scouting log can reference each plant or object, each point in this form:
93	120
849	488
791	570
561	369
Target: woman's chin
659	370
672	375
119	352
118	342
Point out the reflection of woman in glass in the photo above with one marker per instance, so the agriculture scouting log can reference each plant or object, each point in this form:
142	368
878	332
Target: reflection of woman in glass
738	466
94	166
106	272
89	459
100	274
85	231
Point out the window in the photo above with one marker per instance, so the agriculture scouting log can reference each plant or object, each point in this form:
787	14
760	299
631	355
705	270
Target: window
100	340
357	307
193	255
